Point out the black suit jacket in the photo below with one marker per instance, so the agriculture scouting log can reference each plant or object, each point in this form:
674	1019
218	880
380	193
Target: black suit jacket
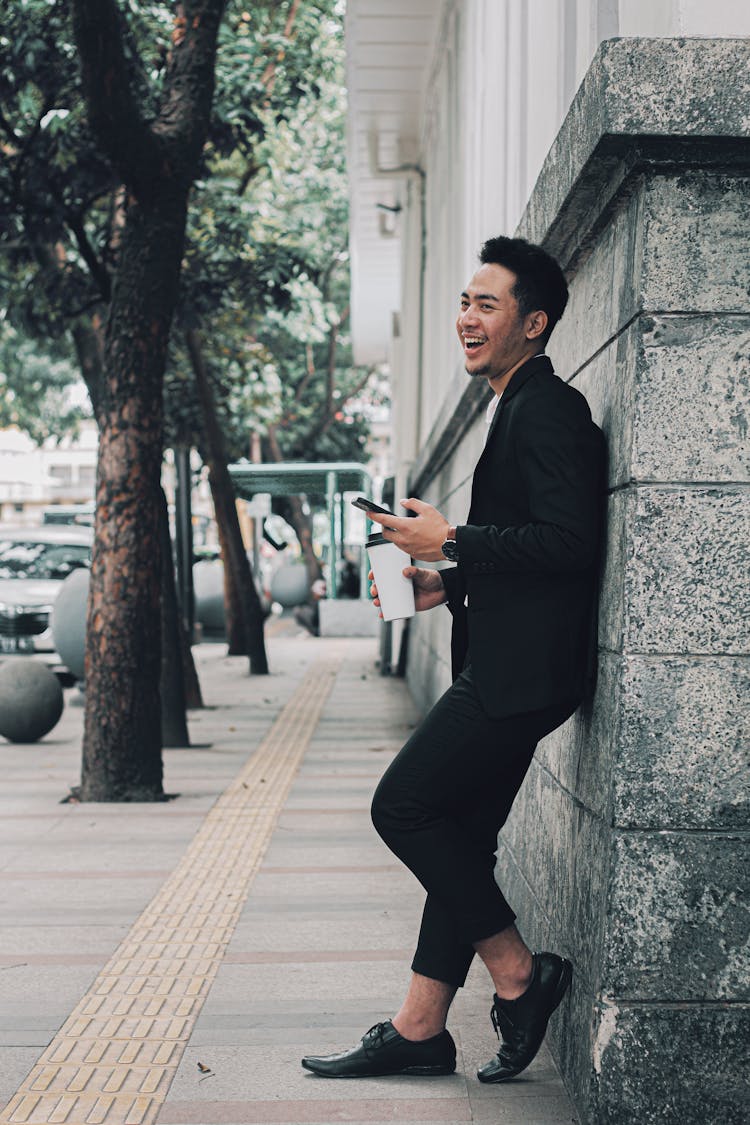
523	593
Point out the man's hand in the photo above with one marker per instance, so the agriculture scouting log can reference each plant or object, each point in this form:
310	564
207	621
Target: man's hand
429	590
421	536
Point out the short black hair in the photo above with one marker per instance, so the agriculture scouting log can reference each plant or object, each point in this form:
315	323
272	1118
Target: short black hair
540	283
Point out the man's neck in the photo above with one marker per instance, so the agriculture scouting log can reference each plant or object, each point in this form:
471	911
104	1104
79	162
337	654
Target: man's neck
500	382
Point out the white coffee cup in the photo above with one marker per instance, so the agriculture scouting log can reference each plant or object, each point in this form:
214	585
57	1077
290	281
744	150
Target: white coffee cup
395	592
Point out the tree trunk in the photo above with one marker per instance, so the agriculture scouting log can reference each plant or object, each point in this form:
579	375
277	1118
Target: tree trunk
193	694
156	160
174	729
301	523
122	728
245	604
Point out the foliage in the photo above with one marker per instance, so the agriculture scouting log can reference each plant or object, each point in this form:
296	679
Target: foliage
35	388
265	272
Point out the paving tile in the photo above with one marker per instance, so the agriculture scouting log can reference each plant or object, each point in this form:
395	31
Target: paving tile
305	1112
318	953
267	1072
15	1064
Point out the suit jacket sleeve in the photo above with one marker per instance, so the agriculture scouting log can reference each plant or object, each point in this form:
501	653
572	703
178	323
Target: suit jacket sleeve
558	453
454	587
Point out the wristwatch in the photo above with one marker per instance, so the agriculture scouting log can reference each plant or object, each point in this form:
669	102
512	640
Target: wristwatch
450	546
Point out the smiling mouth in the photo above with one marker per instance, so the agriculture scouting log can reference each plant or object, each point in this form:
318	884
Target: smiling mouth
471	343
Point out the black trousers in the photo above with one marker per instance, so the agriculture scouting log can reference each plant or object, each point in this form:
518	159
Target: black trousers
439	808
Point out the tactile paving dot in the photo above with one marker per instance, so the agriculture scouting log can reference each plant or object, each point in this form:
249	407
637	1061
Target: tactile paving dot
114	1058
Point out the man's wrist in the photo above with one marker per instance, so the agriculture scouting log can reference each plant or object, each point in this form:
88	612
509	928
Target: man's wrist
449	548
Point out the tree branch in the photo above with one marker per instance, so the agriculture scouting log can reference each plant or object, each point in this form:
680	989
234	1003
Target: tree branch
189	81
148	156
97	269
113	111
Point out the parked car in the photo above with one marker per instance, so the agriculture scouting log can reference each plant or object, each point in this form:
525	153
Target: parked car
34	563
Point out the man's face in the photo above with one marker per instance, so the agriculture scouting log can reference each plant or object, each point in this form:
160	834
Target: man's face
489	326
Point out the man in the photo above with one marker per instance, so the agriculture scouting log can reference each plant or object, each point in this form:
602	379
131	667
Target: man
522	597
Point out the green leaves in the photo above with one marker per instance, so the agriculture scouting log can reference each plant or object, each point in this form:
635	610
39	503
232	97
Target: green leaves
265	271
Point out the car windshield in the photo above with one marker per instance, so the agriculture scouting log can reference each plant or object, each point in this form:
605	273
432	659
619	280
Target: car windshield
30	559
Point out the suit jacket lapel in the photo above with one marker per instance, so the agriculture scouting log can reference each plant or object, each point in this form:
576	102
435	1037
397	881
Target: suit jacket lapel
531	367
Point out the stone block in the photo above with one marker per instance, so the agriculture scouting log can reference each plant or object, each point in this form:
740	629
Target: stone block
695	243
692	403
612	584
670	1065
678	918
686	586
570	1038
553	866
580	753
540	834
602	296
608	382
683	744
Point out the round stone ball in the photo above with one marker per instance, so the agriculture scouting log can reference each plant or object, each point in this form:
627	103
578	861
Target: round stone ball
289	585
208	586
31	700
68	620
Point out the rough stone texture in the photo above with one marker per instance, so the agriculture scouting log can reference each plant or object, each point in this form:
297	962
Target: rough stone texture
579	755
693	380
612	585
686	579
671	1065
608	382
684	744
604	298
679	918
695	243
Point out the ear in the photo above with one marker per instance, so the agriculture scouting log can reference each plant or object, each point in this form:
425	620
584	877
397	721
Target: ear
536	323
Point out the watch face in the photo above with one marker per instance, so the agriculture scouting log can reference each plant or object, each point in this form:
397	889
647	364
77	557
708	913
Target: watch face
450	550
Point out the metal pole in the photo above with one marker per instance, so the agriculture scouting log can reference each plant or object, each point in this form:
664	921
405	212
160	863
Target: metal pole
342	528
184	536
331	503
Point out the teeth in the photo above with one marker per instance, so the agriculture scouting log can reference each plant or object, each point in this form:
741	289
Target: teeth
474	339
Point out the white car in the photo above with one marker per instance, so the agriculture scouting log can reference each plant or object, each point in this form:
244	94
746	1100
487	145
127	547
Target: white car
34	563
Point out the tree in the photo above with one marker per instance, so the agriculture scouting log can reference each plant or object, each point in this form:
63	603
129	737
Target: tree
237	266
156	156
270	237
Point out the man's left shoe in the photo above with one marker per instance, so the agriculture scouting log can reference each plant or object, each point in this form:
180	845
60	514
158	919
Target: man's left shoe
383	1051
521	1023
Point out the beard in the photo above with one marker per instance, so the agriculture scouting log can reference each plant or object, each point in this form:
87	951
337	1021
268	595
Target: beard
483	371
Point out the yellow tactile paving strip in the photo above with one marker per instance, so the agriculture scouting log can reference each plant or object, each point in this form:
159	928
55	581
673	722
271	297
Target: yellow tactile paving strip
114	1058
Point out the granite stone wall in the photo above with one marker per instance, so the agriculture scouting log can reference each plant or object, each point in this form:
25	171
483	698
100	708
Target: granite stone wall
641	873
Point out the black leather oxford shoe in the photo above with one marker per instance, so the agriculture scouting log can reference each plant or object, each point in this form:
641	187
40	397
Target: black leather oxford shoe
383	1051
521	1023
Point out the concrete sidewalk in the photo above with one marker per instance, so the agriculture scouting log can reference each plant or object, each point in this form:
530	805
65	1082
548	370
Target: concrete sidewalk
173	962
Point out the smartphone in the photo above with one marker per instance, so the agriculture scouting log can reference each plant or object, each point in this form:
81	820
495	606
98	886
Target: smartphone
370	506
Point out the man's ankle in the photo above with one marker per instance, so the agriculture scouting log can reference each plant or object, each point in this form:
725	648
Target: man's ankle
415	1028
513	983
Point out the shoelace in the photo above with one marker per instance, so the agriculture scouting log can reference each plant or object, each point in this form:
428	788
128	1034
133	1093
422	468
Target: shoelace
504	1028
378	1030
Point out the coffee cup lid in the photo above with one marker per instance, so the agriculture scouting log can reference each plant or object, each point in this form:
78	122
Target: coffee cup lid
376	539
